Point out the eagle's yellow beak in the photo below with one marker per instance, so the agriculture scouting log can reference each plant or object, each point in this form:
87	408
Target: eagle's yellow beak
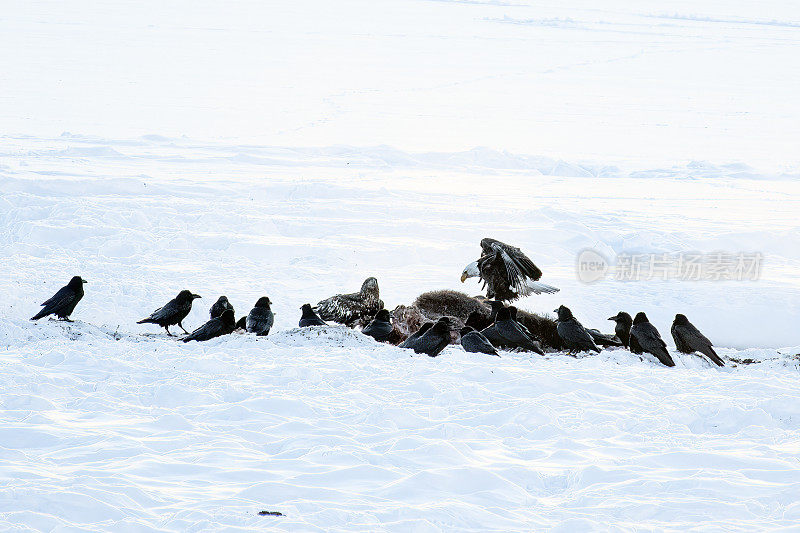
463	277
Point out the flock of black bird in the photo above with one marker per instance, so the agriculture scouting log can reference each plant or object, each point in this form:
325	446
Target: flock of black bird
436	319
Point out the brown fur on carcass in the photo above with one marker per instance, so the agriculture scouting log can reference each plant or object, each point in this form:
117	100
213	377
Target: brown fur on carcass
429	307
406	319
456	304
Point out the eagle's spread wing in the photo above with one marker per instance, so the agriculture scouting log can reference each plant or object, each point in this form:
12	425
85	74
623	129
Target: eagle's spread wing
518	266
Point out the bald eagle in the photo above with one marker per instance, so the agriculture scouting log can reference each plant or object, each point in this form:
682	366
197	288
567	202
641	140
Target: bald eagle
507	273
352	308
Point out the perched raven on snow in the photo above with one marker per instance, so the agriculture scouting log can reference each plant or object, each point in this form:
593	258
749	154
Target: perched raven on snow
63	303
646	338
219	307
688	339
380	327
475	342
260	318
216	327
309	317
572	332
173	312
623	327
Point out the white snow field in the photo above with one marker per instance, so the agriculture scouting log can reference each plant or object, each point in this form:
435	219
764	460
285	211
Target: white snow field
109	425
293	149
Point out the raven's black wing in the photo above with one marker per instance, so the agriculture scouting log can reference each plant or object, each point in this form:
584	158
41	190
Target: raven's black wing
63	296
688	339
476	342
162	313
649	339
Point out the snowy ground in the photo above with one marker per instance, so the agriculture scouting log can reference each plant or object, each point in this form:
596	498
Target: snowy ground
102	431
107	423
293	150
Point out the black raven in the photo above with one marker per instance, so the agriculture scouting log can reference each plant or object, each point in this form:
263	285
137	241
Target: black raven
688	339
417	334
572	332
310	318
173	312
475	342
216	327
433	341
380	327
260	318
623	327
220	306
63	303
493	336
649	340
604	339
512	334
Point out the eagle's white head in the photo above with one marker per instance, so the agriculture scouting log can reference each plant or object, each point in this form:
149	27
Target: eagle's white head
470	271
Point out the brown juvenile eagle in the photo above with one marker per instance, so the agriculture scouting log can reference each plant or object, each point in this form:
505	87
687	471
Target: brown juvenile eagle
506	272
351	308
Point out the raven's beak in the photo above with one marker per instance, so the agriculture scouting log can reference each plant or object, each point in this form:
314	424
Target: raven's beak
463	276
555	310
196	296
84	281
612	318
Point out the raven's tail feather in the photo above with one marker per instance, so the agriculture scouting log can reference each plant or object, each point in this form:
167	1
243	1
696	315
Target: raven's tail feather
711	354
665	358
